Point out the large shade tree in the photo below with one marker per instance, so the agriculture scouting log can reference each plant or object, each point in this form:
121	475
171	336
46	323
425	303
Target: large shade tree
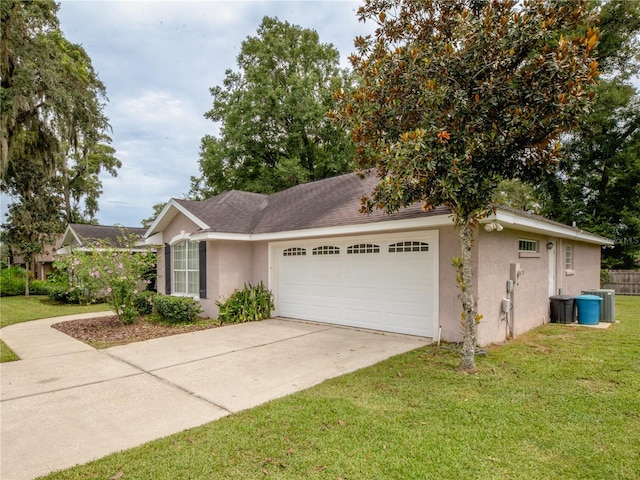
596	184
274	132
52	125
457	96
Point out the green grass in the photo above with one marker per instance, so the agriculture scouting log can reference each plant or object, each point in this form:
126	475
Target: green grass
20	309
35	307
6	354
560	402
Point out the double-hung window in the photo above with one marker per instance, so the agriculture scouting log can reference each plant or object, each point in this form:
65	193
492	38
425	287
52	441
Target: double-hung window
186	279
568	258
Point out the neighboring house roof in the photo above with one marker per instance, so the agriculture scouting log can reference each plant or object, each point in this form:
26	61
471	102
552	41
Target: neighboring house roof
82	236
328	205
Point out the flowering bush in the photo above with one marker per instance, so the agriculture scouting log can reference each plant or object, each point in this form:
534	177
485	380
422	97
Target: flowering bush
117	274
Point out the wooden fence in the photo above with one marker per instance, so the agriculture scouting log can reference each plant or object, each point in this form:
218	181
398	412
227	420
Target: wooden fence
624	282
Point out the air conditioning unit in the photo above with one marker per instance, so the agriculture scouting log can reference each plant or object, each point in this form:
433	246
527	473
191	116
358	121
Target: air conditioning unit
608	304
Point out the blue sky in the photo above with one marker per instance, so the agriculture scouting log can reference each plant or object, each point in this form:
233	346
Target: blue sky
158	60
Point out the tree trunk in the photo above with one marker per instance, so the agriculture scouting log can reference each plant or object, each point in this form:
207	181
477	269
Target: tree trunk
27	274
466	234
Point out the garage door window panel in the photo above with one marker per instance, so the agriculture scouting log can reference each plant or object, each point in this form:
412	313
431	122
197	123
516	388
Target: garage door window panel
363	248
294	252
402	247
326	250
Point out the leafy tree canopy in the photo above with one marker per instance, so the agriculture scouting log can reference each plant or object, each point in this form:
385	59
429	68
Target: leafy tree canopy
52	125
596	184
274	132
457	96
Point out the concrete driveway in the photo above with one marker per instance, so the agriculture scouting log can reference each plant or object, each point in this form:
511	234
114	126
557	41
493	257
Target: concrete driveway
66	403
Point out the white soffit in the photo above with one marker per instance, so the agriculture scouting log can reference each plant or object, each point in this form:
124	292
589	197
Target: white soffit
534	225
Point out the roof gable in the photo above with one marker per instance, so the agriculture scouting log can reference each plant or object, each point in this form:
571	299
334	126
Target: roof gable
83	235
232	212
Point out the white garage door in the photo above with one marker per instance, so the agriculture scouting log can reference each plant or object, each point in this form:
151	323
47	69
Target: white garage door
378	282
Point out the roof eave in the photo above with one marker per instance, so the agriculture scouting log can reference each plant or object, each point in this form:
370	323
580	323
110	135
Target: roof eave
540	226
352	229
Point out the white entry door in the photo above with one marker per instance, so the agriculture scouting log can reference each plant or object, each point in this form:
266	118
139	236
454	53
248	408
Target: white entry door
379	282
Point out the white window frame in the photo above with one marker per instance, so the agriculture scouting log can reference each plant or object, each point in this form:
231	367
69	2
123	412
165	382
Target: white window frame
528	248
189	268
568	259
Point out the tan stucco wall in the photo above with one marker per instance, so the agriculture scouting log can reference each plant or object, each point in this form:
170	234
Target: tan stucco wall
231	264
261	264
449	303
497	251
586	268
229	267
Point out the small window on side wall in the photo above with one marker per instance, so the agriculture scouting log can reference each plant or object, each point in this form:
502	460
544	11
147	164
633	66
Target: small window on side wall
568	258
527	245
528	248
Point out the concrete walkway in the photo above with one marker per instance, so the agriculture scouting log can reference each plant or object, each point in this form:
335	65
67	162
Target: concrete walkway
66	403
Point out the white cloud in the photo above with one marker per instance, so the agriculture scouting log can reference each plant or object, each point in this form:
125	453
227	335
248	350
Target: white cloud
158	60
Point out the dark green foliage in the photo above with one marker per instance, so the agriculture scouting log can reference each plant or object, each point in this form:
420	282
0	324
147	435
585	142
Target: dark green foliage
246	305
52	128
596	184
60	292
144	301
274	131
176	309
12	281
39	287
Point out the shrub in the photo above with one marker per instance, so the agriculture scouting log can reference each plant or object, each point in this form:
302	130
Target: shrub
176	309
12	281
62	294
116	273
39	287
143	302
246	305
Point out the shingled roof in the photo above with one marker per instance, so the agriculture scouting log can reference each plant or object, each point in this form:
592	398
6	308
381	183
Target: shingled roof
324	203
327	203
332	202
230	212
84	234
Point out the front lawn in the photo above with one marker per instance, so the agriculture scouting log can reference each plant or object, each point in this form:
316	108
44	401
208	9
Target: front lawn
560	402
35	307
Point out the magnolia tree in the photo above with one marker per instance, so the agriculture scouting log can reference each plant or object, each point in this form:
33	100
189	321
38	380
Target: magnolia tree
116	274
456	96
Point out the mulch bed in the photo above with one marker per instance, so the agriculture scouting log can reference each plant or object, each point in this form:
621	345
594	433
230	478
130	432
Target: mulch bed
104	332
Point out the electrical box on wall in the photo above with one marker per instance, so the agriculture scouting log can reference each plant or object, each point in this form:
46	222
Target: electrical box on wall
506	305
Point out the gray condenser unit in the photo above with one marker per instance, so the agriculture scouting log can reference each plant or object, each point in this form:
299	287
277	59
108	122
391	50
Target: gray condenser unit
608	304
